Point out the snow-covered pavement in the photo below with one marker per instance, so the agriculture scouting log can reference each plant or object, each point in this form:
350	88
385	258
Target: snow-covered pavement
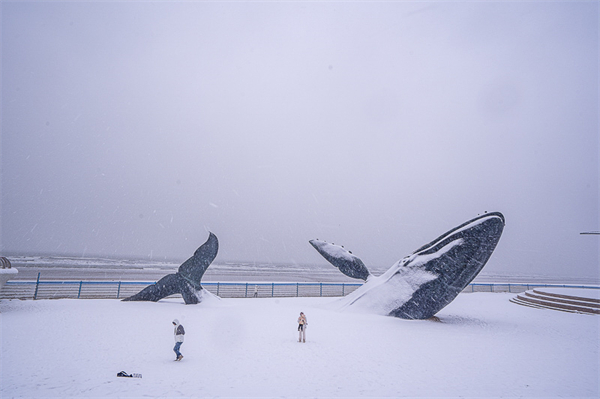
484	346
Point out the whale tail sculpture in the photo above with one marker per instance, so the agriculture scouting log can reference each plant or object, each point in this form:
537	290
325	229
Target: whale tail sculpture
421	284
187	279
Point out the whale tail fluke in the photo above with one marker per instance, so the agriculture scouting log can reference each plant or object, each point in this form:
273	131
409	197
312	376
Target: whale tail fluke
187	280
168	285
193	269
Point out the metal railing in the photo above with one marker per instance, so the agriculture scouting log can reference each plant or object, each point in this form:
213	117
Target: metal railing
18	289
49	289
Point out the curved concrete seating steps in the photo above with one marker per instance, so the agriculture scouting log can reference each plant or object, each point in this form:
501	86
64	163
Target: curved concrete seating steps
552	303
554	306
537	306
524	303
559	299
541	291
575	304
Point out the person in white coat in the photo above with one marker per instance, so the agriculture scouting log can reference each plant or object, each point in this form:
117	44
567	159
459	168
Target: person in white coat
179	333
302	323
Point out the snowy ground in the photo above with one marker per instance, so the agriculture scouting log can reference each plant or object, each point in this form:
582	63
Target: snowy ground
484	346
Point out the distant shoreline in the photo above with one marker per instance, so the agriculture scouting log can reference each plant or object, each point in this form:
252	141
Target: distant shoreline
69	268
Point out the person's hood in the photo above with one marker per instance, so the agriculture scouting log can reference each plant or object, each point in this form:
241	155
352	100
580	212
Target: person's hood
176	322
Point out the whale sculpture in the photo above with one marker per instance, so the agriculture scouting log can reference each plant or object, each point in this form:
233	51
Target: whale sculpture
421	284
187	279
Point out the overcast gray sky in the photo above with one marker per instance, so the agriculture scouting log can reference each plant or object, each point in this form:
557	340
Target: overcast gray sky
130	129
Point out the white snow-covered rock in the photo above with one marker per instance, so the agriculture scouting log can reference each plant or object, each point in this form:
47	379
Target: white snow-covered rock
7	274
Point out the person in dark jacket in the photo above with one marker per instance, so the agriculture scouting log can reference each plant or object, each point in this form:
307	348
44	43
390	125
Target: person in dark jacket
179	333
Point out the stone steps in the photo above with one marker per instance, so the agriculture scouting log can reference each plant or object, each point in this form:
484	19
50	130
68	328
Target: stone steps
585	301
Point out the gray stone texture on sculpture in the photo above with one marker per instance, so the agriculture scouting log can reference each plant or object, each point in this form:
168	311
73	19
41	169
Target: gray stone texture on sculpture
348	264
187	279
421	284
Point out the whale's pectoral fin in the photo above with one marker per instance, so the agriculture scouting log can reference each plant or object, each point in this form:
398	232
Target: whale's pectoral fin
455	259
193	269
168	285
344	260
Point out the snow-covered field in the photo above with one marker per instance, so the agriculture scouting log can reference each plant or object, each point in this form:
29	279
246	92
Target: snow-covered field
484	346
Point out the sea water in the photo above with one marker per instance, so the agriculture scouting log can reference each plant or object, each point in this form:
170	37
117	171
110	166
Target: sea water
107	269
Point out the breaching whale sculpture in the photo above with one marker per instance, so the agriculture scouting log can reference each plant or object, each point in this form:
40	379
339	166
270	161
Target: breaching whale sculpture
421	284
187	279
